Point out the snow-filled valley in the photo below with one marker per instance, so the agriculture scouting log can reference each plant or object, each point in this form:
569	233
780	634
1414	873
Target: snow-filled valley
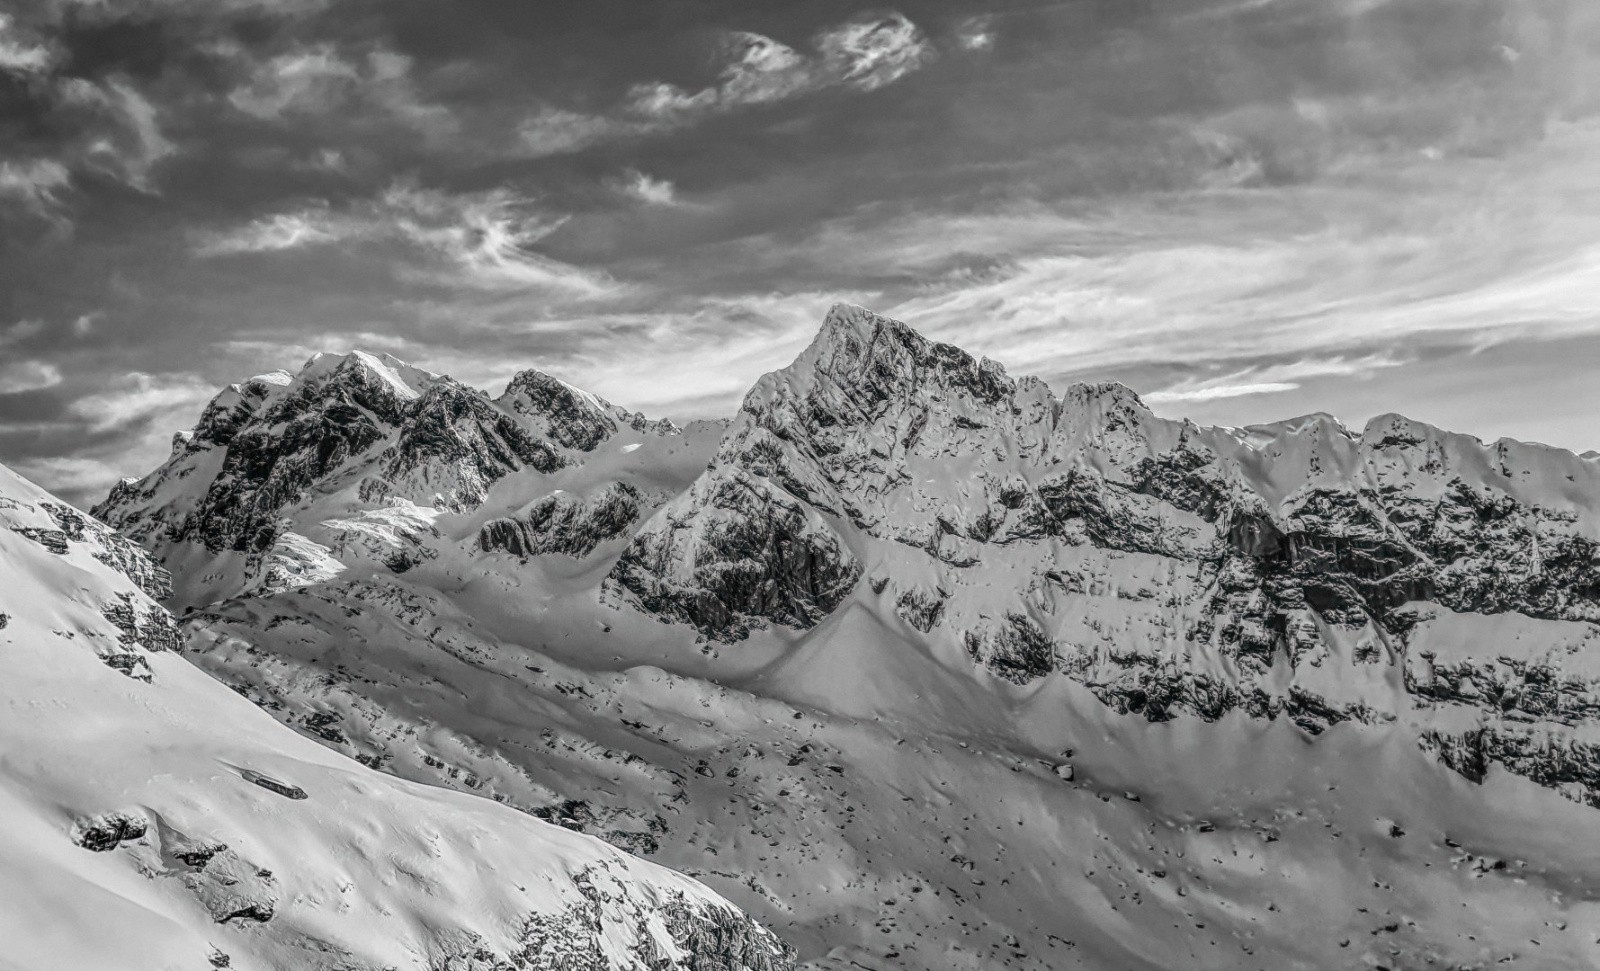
919	665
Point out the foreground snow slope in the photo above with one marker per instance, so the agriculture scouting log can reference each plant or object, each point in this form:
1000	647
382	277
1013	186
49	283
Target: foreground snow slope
154	819
933	668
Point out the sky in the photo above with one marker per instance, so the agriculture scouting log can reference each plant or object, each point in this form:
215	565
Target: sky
1246	210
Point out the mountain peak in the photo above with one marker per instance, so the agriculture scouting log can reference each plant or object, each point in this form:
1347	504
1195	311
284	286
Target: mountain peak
385	370
848	318
1102	395
867	359
569	415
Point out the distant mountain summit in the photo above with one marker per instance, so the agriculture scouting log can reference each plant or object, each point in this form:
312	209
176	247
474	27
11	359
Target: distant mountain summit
353	435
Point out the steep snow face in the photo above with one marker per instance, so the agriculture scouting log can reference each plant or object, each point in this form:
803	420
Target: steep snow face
155	819
261	494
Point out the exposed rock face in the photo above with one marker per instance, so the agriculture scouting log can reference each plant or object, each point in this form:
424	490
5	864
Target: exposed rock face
563	523
53	540
107	831
1264	569
284	789
232	888
706	938
566	415
142	627
291	472
378	426
738	549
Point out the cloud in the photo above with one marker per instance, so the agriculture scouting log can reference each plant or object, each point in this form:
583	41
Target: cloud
20	332
35	184
760	70
20	56
865	54
869	54
280	231
17	377
112	11
555	131
645	188
134	143
487	237
136	398
311	78
976	34
79	479
481	240
322	80
1270	378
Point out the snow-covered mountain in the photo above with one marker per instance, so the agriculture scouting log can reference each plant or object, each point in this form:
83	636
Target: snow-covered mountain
154	819
929	667
373	446
1283	569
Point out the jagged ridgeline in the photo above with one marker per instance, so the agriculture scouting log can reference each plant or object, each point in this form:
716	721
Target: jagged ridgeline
1298	570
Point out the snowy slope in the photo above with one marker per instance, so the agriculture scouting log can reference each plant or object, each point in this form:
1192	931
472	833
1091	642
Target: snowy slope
155	819
933	668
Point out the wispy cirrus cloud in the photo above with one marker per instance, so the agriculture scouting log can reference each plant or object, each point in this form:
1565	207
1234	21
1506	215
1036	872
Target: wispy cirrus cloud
17	377
35	184
20	54
128	418
326	80
871	53
865	54
648	189
108	125
1273	378
138	397
134	142
20	332
862	54
483	240
279	231
976	33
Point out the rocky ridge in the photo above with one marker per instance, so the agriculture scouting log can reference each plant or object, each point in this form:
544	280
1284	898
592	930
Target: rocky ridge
298	469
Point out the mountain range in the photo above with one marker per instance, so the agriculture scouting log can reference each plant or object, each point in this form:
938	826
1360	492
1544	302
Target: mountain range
918	664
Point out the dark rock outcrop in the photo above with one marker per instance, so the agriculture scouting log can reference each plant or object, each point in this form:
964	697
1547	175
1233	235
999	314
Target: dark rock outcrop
107	831
273	785
563	523
747	551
